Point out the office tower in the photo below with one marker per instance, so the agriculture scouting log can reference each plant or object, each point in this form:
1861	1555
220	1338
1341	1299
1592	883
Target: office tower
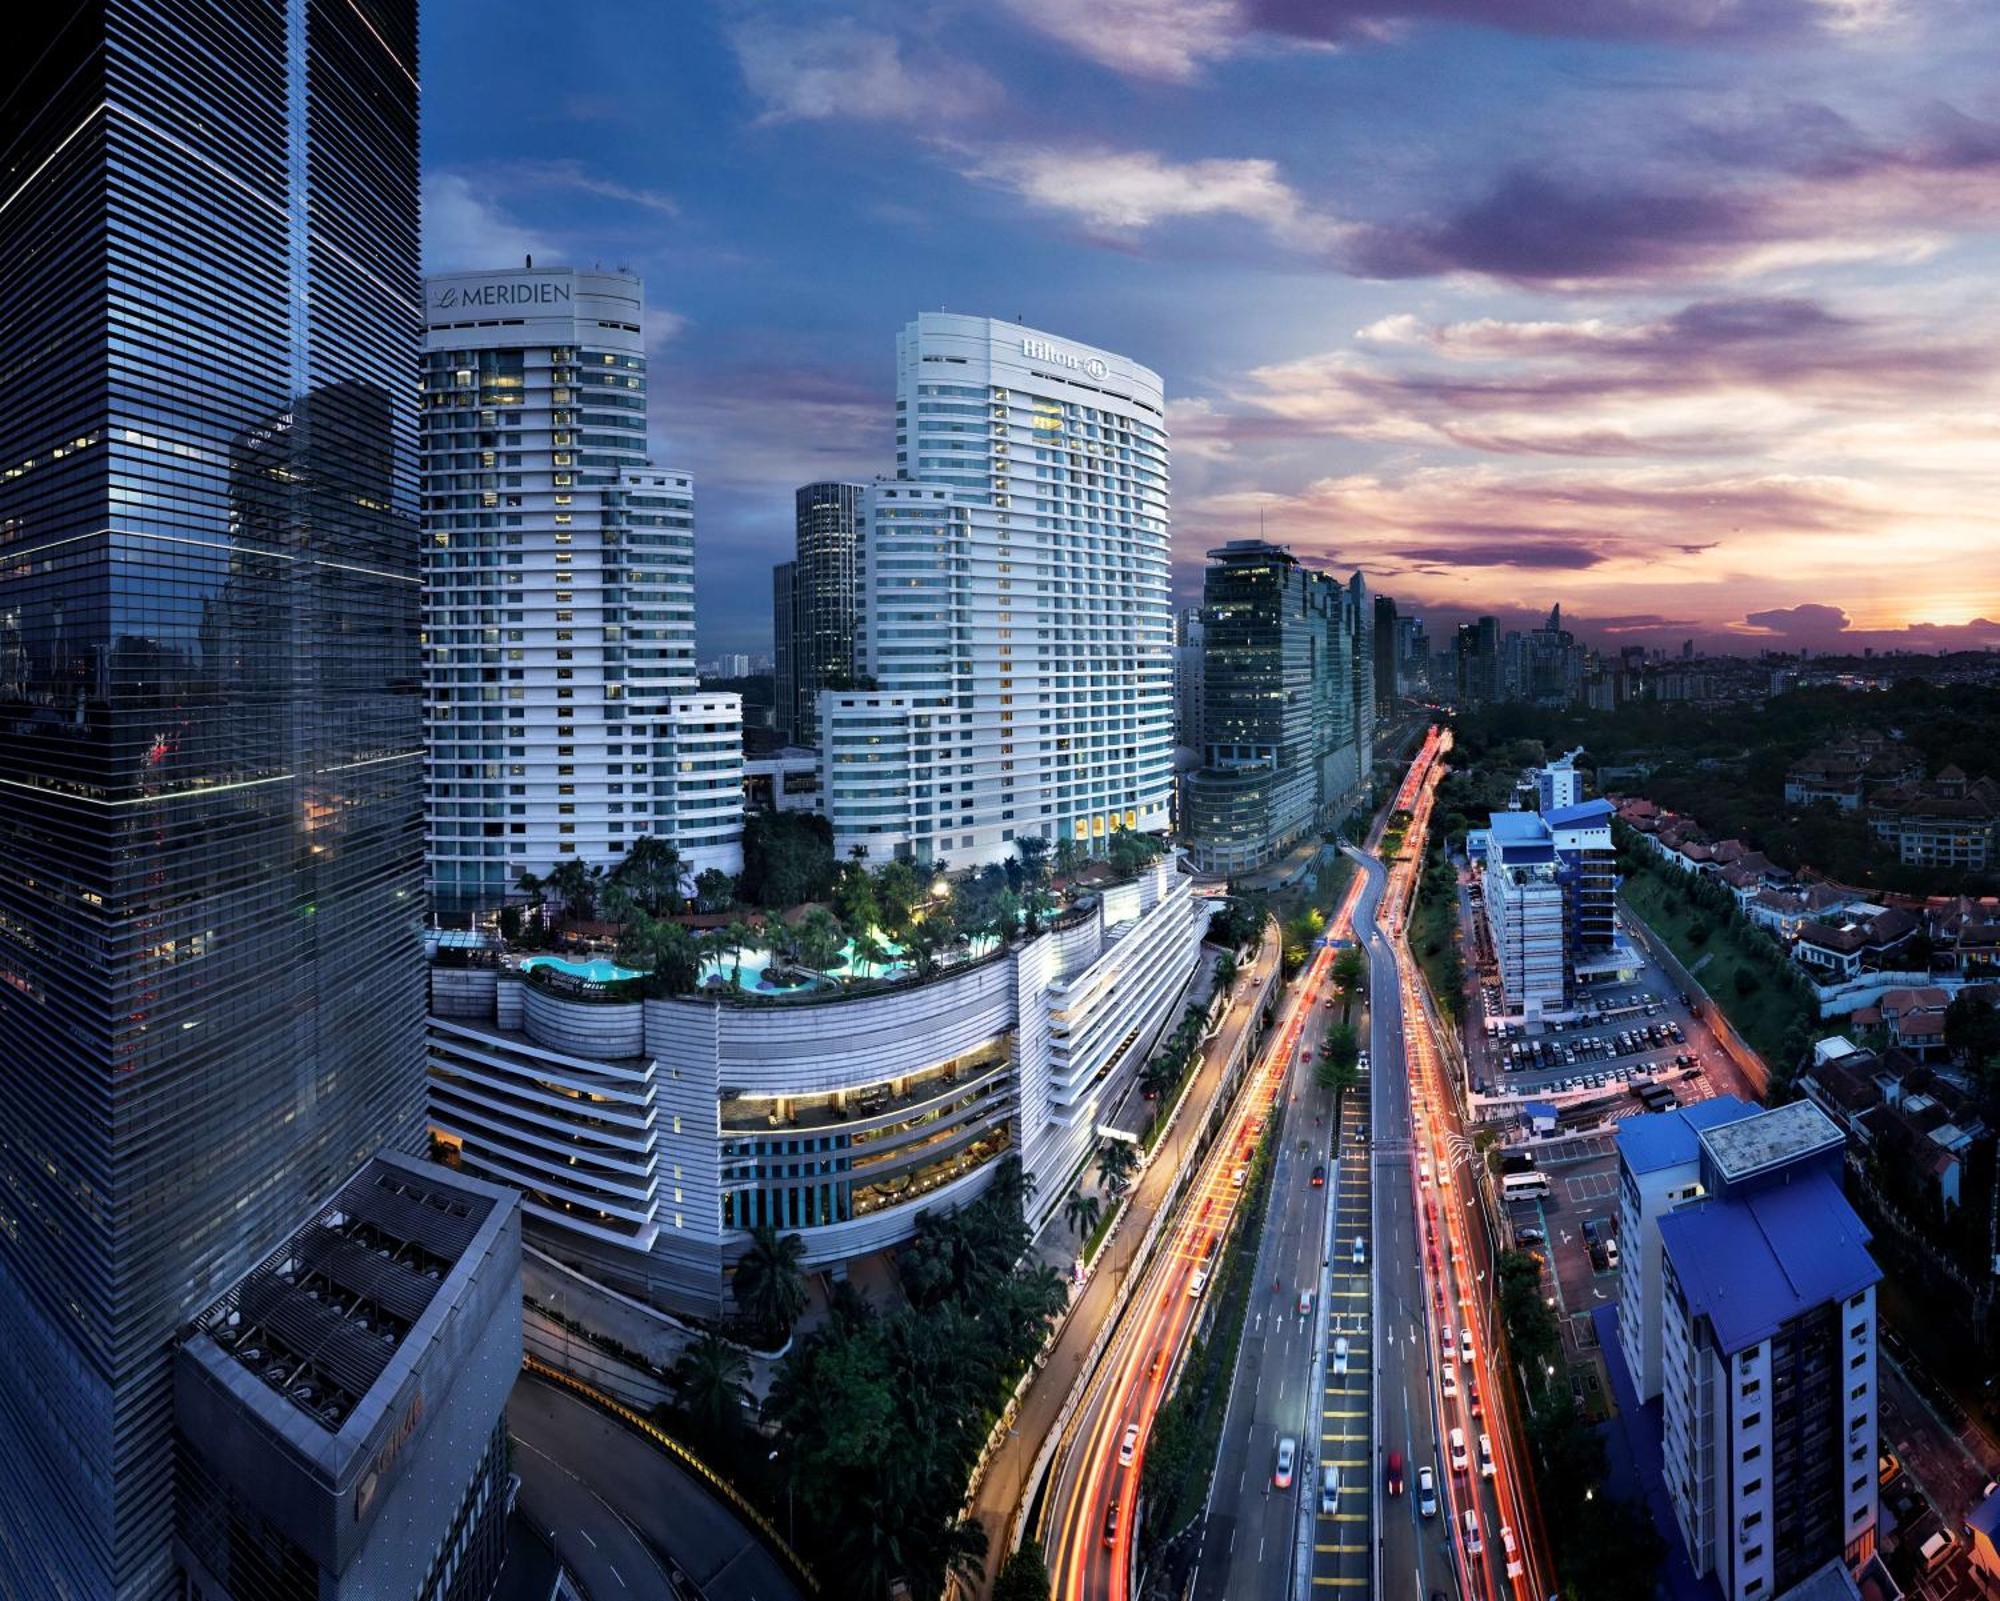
1362	625
566	718
1767	1357
211	850
1265	638
1287	706
821	621
1013	605
1189	692
1385	655
784	635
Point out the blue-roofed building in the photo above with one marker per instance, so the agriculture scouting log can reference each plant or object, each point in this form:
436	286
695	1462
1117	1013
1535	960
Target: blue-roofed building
1766	1310
1982	1533
1659	1168
1553	919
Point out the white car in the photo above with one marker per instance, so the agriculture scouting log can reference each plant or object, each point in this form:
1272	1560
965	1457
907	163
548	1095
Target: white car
1486	1456
1239	1176
1129	1446
1288	1455
1305	1303
1473	1544
1451	1384
1424	1174
1427	1493
1198	1283
1514	1567
1360	1250
1465	1346
1460	1462
1361	1061
1340	1354
1329	1489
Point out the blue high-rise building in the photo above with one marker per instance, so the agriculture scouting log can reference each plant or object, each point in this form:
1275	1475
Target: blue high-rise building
211	751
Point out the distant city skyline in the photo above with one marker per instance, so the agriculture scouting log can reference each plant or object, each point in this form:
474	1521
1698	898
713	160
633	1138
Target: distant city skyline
1499	307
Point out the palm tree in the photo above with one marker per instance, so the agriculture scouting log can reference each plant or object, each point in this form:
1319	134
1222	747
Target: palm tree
650	873
1081	1212
770	1289
710	1377
817	939
575	884
1115	1162
869	952
666	952
1225	970
741	936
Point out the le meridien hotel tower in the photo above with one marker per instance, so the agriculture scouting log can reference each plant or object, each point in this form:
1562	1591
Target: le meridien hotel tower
565	716
211	831
1014	611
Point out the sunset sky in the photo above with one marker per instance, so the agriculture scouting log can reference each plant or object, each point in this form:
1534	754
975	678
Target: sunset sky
1682	314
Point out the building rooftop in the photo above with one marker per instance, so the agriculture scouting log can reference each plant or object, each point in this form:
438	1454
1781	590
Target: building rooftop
1671	1139
1776	1137
1522	828
1749	1264
1985	1518
1596	810
322	1316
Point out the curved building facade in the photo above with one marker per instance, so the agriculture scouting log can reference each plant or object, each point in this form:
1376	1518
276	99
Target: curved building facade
648	1137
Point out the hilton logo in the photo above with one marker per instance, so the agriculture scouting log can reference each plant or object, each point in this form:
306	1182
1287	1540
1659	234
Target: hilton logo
503	292
1042	350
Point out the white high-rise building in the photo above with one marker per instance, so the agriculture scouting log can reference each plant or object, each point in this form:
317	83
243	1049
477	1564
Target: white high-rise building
565	717
1014	612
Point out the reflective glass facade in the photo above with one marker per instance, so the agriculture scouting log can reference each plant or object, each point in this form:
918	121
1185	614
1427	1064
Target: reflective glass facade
211	843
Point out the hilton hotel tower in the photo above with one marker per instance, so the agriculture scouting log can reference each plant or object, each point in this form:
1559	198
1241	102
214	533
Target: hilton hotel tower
564	716
1013	605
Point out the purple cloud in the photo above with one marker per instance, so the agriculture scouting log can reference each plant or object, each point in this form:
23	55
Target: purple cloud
1524	546
1807	618
1655	21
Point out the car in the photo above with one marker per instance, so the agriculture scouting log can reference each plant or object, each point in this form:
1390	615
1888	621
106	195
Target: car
1361	1061
1465	1346
1329	1003
1450	1383
1486	1456
1340	1354
1472	1397
1111	1524
1610	1255
1288	1456
1198	1283
1460	1462
1392	1472
1305	1303
1329	1489
1159	1357
1319	1176
1129	1446
1447	1344
1427	1493
1529	1236
1424	1173
1473	1544
1360	1250
1237	1178
1514	1567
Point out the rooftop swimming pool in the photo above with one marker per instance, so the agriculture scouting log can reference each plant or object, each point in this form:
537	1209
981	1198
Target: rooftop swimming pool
603	970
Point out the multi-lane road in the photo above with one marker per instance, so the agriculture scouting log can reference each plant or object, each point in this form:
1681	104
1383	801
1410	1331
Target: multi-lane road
1093	1493
1302	1295
1353	1360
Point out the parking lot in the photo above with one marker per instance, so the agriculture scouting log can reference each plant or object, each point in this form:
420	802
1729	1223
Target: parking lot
1633	1032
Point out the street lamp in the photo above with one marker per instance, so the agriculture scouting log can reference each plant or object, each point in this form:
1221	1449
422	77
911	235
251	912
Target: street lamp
791	1537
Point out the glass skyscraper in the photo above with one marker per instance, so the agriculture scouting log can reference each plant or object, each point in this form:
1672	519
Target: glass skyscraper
211	755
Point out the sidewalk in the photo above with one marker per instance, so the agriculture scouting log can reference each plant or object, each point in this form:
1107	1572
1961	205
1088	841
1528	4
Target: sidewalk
1000	1488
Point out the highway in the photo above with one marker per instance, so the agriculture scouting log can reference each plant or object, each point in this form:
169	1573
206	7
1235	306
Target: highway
1251	1524
1089	1552
621	1513
1464	1385
1412	1545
